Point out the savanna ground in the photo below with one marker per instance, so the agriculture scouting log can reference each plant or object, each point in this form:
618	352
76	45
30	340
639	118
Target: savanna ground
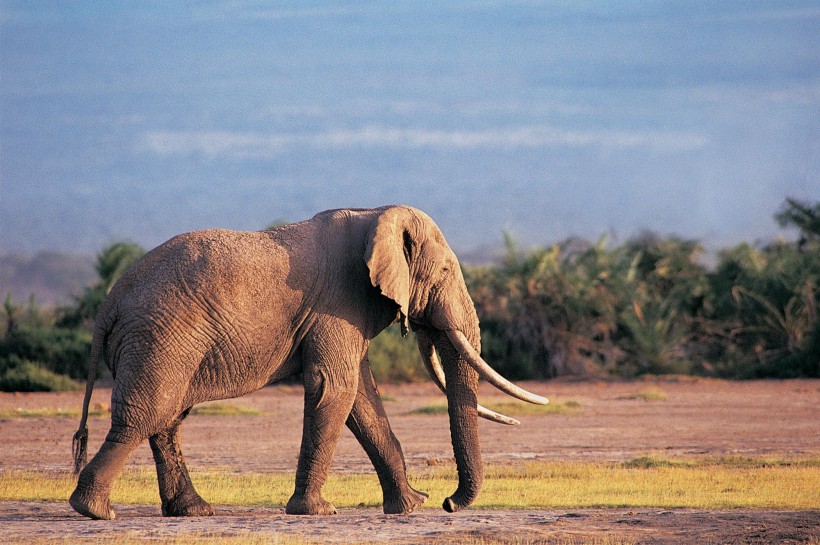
669	460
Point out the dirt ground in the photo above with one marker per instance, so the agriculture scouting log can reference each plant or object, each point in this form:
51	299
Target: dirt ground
699	417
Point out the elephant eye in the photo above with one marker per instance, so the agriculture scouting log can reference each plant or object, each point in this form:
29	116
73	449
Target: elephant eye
408	246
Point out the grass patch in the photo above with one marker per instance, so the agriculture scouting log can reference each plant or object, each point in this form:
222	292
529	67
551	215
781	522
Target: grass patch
102	409
28	376
510	408
223	409
53	412
649	462
650	394
435	408
518	408
644	482
736	462
656	482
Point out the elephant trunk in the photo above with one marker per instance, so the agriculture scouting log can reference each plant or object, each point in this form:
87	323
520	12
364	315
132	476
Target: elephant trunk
433	365
462	386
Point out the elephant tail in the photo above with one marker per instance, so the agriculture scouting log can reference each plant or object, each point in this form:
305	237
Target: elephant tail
79	445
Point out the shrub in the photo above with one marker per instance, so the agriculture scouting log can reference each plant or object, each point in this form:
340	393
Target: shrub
764	311
26	376
396	359
62	351
651	306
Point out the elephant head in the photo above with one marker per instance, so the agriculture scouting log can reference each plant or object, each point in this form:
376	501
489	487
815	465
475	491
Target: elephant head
412	265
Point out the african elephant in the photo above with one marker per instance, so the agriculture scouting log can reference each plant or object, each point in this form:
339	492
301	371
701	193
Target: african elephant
217	314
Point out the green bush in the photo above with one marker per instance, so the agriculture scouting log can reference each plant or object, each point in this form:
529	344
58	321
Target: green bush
650	305
396	359
763	311
62	351
26	376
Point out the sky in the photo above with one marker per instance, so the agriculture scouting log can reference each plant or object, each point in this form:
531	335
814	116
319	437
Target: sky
546	119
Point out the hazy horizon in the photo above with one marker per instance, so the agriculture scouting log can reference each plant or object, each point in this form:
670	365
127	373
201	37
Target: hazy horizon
547	119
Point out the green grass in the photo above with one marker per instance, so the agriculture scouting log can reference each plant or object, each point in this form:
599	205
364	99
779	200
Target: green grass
51	412
650	394
644	482
518	408
32	377
208	409
223	409
434	408
657	482
510	408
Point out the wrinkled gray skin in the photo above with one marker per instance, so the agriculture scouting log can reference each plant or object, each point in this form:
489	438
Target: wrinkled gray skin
217	314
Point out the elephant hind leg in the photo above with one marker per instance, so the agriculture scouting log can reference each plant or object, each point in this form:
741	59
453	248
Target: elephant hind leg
368	422
179	498
92	495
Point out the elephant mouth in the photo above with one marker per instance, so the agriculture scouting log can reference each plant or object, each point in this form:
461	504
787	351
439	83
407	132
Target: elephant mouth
434	367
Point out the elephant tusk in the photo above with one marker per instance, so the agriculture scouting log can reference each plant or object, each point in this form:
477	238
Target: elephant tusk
461	343
434	368
431	361
493	416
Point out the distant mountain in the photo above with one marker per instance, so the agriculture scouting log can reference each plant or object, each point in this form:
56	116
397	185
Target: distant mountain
51	277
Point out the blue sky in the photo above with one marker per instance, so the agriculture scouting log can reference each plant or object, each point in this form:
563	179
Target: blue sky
548	119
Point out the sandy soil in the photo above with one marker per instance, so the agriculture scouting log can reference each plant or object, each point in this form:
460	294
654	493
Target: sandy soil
699	417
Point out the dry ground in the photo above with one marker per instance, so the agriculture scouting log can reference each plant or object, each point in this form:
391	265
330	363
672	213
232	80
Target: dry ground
699	417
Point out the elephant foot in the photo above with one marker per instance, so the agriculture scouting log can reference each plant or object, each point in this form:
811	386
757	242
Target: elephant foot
404	504
302	505
187	505
91	507
452	504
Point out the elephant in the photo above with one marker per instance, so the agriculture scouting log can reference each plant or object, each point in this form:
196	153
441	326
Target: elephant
216	314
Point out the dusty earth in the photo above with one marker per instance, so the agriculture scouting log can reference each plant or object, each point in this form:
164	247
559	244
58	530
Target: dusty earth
699	417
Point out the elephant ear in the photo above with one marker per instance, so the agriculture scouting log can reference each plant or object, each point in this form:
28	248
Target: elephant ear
387	254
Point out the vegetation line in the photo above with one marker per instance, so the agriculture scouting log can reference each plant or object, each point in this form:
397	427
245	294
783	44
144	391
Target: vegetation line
206	409
47	412
514	408
650	394
643	482
651	305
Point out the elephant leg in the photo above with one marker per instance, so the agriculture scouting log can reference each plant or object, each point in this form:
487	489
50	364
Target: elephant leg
368	422
92	495
328	400
179	498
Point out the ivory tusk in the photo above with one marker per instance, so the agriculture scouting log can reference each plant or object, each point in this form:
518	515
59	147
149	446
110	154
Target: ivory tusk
493	416
431	361
489	374
434	368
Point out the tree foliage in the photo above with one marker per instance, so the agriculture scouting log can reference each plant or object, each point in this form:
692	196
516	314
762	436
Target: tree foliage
37	345
648	305
37	355
804	216
111	263
394	358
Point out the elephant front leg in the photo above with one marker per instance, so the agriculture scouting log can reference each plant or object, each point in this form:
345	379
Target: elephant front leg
368	422
179	498
327	404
